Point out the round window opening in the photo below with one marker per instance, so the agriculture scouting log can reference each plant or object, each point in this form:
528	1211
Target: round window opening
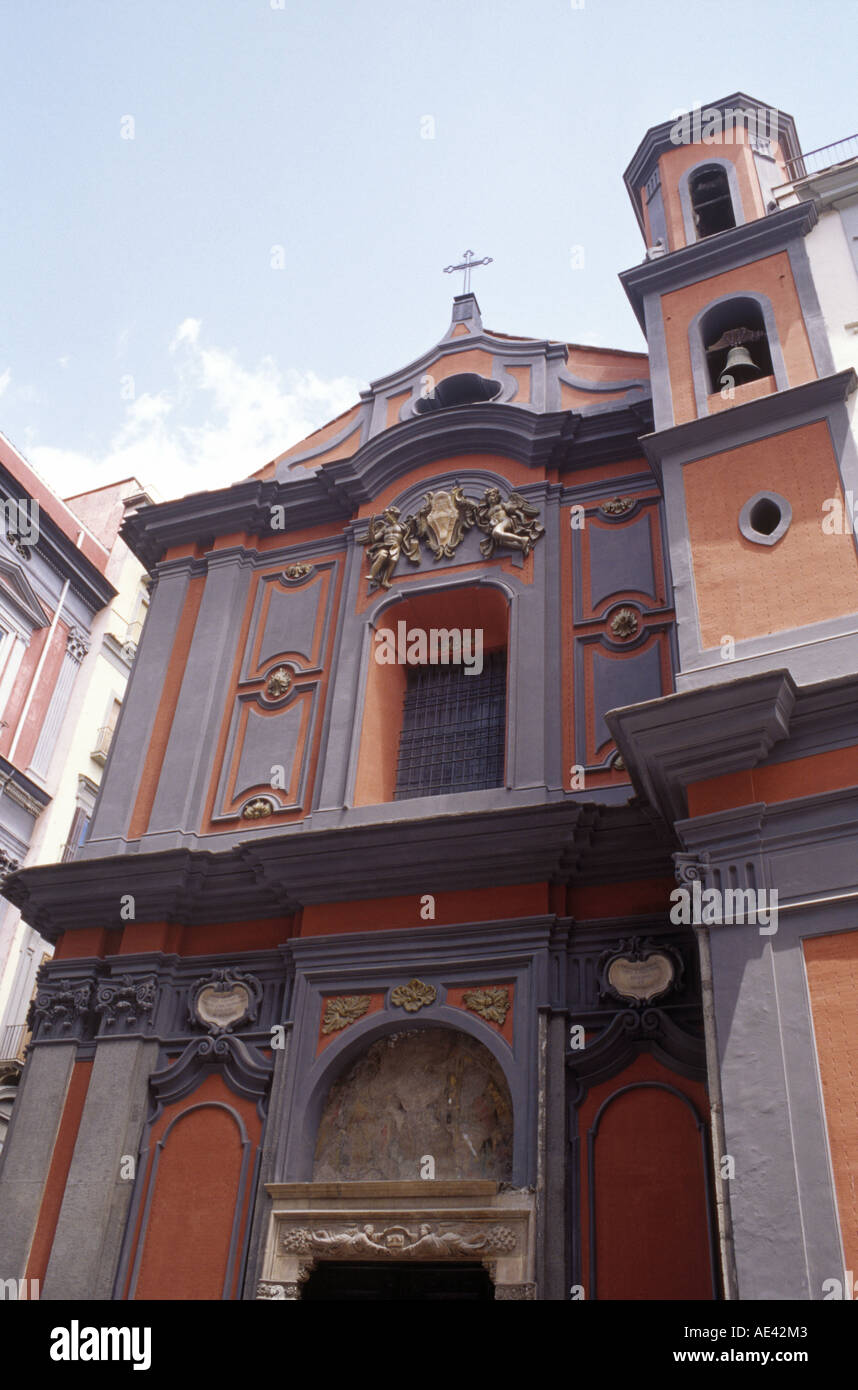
765	518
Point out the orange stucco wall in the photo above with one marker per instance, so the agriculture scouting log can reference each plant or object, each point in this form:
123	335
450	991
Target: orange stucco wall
674	163
771	276
464	905
832	976
747	590
823	772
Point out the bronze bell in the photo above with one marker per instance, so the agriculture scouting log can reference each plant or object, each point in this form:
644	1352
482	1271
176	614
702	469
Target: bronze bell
739	367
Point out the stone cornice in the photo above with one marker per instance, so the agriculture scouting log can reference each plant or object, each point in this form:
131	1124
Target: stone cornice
669	743
275	875
763	415
60	552
331	495
715	254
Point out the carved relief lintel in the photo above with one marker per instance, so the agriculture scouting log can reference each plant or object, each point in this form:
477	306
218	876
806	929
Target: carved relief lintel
428	1242
519	1292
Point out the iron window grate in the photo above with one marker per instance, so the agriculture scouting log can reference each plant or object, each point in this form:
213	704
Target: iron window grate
453	730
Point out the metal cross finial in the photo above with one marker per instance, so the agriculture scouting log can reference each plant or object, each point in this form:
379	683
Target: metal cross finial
467	266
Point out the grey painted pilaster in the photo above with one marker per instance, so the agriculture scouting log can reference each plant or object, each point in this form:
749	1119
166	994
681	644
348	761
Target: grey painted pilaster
92	1218
28	1151
130	743
193	738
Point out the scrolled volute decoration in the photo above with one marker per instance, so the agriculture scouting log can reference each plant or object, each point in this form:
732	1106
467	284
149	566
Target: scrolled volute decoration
126	999
61	1008
691	867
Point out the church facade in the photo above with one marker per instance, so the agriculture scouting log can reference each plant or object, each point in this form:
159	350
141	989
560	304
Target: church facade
468	909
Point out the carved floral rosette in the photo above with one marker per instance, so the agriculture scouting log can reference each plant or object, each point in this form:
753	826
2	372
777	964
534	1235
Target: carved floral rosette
413	996
492	1003
342	1009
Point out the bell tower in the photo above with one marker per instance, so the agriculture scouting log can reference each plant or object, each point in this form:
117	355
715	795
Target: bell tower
752	443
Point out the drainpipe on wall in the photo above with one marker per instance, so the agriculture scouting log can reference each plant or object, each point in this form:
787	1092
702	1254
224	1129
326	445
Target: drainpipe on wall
716	1117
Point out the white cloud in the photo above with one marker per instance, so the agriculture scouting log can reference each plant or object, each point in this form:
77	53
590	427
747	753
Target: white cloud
5	378
214	423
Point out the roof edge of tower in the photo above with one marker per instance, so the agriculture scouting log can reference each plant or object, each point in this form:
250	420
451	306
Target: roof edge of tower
657	141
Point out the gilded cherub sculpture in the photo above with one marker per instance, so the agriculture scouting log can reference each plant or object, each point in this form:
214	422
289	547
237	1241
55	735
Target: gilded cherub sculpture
387	539
511	524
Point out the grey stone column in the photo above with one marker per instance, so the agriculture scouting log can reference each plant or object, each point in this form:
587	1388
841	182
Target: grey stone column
130	742
92	1219
28	1151
202	700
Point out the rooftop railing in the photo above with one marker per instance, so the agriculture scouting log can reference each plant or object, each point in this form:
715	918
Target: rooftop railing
826	157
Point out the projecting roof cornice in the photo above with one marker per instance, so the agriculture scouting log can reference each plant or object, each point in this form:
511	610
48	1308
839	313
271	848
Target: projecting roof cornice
274	875
670	743
562	439
715	254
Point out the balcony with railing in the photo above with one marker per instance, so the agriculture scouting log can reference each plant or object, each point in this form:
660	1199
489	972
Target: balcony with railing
822	159
102	744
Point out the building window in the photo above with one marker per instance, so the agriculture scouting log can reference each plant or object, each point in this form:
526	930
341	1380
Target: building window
736	343
711	201
77	835
765	517
453	729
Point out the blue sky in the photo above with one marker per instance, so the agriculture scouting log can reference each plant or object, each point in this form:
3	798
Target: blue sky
143	326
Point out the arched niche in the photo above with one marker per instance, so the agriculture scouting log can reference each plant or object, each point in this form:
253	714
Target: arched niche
440	608
411	1094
